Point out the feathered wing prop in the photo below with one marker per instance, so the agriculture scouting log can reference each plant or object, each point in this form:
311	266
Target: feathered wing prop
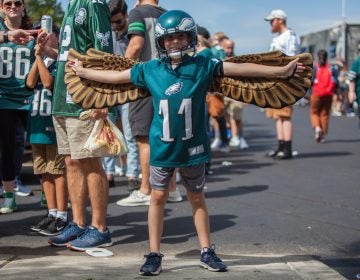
90	94
263	92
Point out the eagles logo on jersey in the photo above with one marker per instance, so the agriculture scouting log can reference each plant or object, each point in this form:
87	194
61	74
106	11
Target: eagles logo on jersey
174	89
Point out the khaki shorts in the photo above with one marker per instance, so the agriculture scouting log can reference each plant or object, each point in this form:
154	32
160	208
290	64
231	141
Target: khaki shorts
283	113
47	160
71	136
193	177
234	108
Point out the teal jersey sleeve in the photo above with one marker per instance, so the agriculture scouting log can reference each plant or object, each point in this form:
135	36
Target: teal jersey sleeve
86	25
15	64
178	134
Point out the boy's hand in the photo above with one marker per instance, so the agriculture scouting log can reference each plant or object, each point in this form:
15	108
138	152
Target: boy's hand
292	68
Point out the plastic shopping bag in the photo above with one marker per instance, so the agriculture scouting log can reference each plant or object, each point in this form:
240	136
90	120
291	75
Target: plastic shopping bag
106	139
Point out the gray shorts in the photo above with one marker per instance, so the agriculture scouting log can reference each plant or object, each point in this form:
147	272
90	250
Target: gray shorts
140	116
193	177
71	136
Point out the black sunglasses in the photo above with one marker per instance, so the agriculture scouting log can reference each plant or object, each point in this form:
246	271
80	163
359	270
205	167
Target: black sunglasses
9	4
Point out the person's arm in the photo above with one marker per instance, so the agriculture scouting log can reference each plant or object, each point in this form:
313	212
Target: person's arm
49	44
18	36
102	76
135	47
352	92
45	76
257	70
33	76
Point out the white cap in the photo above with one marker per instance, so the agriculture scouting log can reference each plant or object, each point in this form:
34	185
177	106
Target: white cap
276	14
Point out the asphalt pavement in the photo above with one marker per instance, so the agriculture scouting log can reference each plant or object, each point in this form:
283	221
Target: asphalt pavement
294	219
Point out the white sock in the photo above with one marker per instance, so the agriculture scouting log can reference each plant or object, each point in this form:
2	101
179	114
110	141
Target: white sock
52	212
62	215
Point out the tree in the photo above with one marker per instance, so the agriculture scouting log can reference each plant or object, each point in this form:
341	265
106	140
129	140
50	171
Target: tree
38	8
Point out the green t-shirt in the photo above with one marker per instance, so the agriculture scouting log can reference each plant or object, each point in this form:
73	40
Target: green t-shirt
15	64
86	24
178	134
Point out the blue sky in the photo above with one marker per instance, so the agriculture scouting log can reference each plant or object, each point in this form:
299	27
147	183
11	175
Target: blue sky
243	20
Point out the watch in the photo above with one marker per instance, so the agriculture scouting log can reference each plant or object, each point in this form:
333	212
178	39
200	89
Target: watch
6	36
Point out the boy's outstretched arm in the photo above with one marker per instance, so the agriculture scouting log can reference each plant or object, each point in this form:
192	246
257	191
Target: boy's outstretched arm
265	71
102	76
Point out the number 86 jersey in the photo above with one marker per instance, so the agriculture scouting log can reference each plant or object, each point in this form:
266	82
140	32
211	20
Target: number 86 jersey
178	133
15	64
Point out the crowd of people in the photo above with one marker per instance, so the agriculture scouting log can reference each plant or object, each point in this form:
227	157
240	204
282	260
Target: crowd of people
34	98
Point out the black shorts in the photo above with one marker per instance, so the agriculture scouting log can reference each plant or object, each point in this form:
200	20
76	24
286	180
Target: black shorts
140	116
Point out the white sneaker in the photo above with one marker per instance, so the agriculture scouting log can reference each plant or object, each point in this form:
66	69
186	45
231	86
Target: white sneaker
215	144
175	196
234	141
243	145
136	198
20	189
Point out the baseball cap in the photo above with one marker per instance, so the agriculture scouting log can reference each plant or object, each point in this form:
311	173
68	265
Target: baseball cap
276	14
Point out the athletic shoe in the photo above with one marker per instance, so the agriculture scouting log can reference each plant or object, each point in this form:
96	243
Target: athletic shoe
136	198
211	261
43	223
243	145
133	184
273	153
175	196
152	264
224	148
9	204
54	228
215	144
91	238
234	142
69	233
20	189
284	155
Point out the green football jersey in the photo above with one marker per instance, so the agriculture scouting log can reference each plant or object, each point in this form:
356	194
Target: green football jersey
15	64
40	126
86	24
178	135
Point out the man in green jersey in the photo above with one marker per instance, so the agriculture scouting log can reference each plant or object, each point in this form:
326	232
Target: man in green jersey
86	24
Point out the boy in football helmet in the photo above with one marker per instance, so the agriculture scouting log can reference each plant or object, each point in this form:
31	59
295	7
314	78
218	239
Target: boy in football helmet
178	81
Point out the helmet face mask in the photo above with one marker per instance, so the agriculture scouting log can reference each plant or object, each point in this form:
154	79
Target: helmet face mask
171	23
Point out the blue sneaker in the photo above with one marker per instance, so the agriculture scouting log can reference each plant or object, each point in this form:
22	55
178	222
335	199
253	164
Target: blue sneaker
152	264
69	233
91	238
211	261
